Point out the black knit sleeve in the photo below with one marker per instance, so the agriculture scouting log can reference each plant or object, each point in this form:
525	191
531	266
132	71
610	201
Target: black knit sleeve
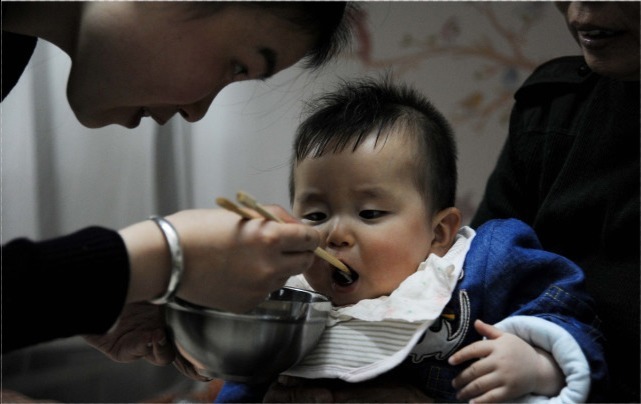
16	53
71	285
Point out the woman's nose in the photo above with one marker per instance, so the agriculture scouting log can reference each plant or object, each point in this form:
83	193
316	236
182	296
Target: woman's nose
197	110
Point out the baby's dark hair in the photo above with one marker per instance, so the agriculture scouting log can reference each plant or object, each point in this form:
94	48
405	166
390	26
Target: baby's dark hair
357	109
329	22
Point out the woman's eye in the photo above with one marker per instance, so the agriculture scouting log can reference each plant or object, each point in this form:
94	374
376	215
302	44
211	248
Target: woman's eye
314	217
371	214
240	69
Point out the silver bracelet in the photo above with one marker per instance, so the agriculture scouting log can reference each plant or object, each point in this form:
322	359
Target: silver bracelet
173	241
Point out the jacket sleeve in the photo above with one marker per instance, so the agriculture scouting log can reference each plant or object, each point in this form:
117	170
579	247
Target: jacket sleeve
67	286
565	350
521	279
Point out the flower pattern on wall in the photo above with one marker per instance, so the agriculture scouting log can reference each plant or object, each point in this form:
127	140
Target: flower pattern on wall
508	65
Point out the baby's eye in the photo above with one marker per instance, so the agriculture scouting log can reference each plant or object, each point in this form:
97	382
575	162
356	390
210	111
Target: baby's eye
315	217
371	214
240	69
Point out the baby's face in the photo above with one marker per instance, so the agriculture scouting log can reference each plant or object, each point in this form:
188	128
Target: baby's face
370	215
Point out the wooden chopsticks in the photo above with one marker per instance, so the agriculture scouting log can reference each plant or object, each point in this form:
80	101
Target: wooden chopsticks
248	201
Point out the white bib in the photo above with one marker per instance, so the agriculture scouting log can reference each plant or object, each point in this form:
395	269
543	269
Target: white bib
369	338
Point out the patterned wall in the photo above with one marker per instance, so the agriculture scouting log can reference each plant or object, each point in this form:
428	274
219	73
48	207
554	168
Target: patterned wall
469	58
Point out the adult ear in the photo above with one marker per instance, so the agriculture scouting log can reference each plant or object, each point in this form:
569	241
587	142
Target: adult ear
444	226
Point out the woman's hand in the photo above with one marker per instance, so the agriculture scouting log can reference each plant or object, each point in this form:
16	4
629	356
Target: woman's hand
139	333
230	263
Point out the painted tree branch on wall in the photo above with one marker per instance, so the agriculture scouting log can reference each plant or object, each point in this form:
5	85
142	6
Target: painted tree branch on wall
506	64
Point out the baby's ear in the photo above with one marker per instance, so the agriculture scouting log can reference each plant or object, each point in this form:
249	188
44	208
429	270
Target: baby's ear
445	225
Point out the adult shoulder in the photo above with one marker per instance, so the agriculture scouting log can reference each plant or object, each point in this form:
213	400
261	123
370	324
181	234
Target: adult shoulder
560	74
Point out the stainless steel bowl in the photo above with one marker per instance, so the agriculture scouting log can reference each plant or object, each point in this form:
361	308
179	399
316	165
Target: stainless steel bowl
253	347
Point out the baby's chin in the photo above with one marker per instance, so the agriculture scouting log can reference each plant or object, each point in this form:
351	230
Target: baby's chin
327	289
340	293
341	297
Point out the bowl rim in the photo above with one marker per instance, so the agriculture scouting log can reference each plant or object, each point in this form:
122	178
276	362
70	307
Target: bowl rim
318	299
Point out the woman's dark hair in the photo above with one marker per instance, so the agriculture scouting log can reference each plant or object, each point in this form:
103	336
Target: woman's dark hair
329	22
357	109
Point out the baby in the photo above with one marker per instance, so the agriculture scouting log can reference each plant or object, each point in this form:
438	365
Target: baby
457	314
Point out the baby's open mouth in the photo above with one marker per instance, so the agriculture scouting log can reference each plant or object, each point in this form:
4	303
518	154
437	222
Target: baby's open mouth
343	279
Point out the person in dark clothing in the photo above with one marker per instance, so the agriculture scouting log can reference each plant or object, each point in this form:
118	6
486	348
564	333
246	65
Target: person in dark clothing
132	60
570	169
